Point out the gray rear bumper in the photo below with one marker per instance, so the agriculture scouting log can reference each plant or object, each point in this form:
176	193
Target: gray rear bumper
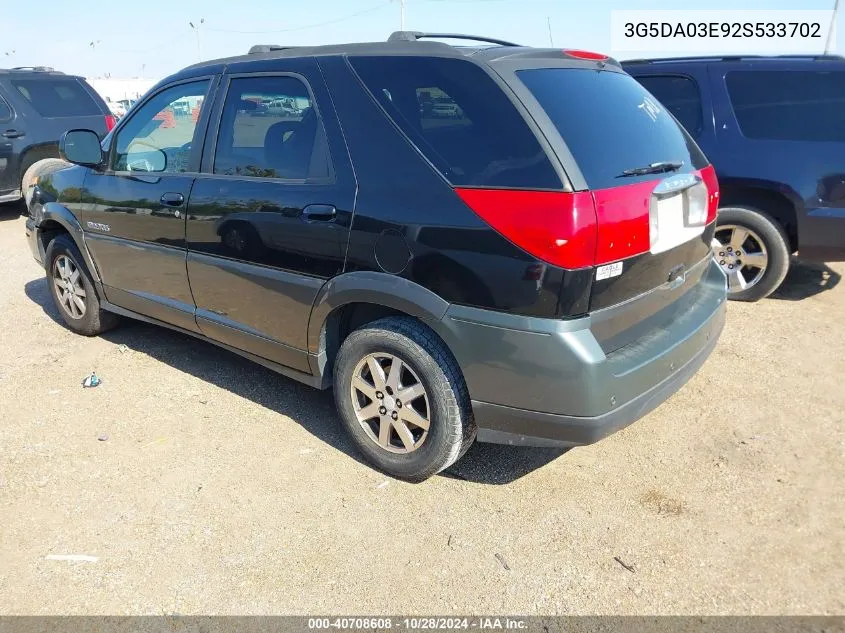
550	382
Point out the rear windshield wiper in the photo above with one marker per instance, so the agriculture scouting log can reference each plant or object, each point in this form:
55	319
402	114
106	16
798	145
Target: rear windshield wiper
654	168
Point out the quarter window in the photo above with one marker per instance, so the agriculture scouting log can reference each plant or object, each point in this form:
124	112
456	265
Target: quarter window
460	120
681	97
789	105
270	128
159	135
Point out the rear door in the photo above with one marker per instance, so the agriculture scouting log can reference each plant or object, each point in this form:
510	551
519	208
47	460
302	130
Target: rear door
784	121
650	183
268	221
135	217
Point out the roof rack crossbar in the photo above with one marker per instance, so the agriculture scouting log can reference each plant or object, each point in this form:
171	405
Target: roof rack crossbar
413	36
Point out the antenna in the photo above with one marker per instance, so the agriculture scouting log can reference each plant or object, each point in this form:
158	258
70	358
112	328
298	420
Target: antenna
832	27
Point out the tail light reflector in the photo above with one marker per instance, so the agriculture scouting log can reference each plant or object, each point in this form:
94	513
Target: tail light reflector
110	123
554	226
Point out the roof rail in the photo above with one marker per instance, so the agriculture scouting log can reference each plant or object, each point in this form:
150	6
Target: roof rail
267	48
413	36
39	69
727	58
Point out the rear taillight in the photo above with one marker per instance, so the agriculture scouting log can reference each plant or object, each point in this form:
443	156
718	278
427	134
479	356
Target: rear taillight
110	122
708	175
554	226
592	228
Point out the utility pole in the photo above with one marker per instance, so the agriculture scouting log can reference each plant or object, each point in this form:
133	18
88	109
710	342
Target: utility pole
551	39
402	14
832	27
197	31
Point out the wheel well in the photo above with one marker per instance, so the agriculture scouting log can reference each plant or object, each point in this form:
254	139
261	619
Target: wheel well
34	154
48	231
775	204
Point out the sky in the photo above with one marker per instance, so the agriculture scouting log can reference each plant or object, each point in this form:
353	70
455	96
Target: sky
153	38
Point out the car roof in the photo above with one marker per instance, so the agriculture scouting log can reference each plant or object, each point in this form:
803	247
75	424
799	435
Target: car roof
400	43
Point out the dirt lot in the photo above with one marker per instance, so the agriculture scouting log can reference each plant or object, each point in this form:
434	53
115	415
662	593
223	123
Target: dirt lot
224	488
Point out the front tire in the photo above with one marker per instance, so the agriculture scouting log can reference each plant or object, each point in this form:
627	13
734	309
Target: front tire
753	250
73	290
394	359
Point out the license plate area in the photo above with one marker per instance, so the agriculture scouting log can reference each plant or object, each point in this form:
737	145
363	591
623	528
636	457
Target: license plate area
676	217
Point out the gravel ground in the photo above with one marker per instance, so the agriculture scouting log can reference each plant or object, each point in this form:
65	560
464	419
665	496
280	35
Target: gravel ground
202	483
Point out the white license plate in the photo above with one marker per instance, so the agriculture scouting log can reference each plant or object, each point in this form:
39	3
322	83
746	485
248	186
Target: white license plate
671	227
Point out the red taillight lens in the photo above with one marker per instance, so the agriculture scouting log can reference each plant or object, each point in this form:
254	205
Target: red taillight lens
554	226
110	122
708	175
597	57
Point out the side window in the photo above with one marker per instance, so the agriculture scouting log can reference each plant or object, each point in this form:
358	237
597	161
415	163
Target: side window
270	129
5	110
158	135
681	97
789	105
459	119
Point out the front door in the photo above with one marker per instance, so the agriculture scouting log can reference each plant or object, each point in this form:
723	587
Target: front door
269	221
8	134
135	221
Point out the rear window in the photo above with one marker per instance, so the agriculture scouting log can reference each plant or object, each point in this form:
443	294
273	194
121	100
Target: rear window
611	124
789	105
460	120
55	98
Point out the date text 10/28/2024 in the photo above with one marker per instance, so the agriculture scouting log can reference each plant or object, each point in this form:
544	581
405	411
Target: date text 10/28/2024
419	624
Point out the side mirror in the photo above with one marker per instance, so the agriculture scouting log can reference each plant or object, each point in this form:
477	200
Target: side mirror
154	160
81	147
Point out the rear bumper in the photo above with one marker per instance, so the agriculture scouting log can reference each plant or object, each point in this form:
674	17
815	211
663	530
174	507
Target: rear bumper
541	382
506	425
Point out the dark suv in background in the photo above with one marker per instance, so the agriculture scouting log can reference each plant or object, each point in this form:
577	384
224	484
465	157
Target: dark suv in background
37	106
490	269
774	128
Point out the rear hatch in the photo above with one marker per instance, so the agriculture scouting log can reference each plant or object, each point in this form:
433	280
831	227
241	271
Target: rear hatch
654	194
63	102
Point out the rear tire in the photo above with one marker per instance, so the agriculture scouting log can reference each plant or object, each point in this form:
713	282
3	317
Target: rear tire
429	375
73	290
766	244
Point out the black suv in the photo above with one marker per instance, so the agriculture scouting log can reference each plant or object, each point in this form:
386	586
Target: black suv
37	105
774	128
447	236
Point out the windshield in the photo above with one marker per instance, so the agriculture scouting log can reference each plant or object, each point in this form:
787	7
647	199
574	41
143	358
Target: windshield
616	130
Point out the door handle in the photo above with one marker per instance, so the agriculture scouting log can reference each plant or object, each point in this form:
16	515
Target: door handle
13	133
319	213
172	200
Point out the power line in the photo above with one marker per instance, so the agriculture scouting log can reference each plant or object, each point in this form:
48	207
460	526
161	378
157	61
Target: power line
307	26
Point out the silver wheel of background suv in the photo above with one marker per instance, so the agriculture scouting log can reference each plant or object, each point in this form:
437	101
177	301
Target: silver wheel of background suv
390	402
742	255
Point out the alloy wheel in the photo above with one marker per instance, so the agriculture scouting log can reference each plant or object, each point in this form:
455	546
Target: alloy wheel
742	255
390	402
67	280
